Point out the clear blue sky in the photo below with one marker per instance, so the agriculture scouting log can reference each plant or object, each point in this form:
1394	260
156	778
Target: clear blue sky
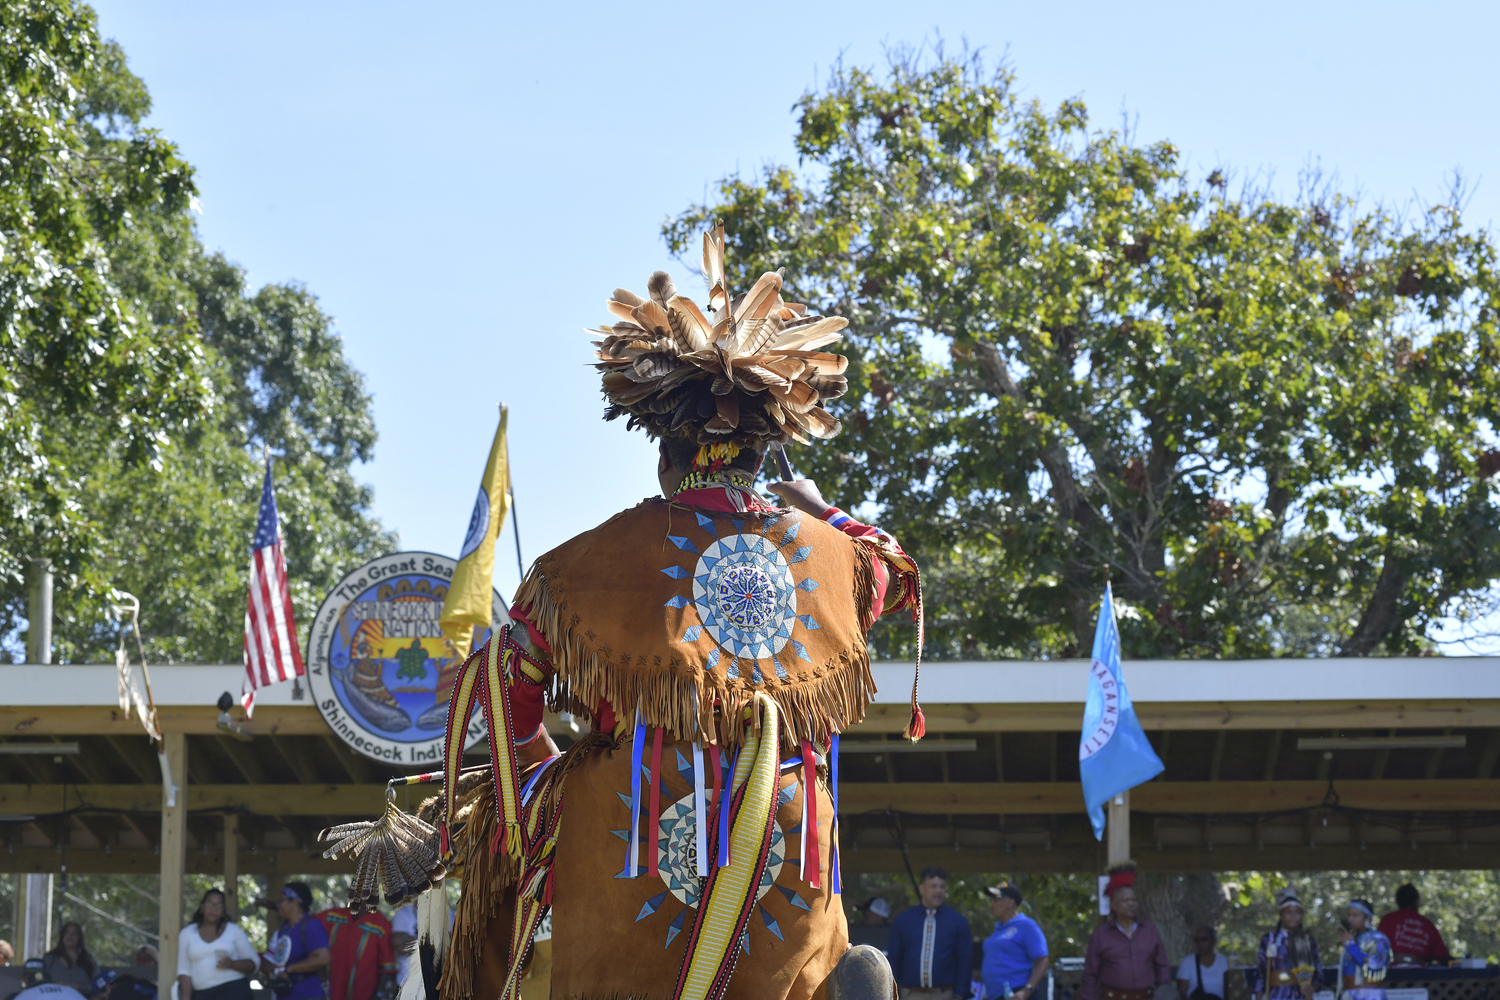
464	184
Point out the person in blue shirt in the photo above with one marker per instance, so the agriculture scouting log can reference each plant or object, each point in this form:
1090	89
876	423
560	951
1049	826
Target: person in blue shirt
298	951
1365	956
1015	956
931	949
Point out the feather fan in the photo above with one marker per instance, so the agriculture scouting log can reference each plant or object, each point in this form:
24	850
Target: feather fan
748	372
398	850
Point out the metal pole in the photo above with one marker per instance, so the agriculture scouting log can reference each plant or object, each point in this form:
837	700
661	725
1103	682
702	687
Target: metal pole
785	467
515	526
39	611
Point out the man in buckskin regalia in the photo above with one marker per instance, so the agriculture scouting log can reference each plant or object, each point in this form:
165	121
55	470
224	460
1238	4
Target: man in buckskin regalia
687	847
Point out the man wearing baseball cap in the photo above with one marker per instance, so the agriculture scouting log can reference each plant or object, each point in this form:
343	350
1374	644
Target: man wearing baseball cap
1015	956
873	925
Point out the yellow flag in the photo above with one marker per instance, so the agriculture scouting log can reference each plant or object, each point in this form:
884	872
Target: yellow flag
469	595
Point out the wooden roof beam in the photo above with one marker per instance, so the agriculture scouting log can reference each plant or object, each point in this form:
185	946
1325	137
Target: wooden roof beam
1185	797
1273	754
1084	858
138	861
299	765
958	798
361	770
243	759
304	720
1304	716
1490	755
137	755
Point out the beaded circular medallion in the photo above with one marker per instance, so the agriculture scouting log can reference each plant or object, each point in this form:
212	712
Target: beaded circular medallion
677	853
745	596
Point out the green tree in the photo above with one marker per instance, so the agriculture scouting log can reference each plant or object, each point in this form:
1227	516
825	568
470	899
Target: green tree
1269	423
171	522
71	346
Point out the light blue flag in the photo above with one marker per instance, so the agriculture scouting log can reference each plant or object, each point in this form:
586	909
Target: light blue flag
1113	752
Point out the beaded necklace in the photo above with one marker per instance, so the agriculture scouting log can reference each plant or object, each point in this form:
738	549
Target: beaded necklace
724	477
737	486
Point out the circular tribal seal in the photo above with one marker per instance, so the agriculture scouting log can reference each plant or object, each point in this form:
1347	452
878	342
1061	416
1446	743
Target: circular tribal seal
745	596
379	668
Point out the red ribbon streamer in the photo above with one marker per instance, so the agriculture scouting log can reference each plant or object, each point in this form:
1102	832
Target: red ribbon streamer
812	860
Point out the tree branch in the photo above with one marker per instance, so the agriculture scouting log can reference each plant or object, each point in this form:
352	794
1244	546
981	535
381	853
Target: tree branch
1380	613
1072	507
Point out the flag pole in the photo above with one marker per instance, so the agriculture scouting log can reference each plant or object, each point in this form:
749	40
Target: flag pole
515	521
515	526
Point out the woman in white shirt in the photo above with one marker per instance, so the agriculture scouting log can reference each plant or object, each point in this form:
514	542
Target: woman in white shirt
1201	975
214	957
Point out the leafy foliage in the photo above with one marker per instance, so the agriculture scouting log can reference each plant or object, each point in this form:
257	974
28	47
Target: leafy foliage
1271	424
145	473
71	346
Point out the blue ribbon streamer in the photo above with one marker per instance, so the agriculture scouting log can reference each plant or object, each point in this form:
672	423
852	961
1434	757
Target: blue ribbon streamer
724	799
632	849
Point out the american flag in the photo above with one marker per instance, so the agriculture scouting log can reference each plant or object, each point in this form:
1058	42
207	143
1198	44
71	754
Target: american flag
271	651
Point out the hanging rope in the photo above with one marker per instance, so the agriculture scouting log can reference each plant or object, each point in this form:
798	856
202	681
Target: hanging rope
131	693
131	696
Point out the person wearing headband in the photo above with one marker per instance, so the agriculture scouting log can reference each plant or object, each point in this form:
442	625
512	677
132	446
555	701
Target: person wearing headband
1287	967
1364	957
298	951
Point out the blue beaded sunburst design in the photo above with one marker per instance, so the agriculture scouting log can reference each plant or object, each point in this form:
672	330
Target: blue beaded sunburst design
745	596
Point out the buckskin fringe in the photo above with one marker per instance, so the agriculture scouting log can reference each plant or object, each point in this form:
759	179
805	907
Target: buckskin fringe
681	698
486	877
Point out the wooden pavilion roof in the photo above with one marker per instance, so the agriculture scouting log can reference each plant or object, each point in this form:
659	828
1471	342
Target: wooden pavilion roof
1237	793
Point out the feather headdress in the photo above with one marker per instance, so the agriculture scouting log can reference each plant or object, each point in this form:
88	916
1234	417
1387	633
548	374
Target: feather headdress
751	375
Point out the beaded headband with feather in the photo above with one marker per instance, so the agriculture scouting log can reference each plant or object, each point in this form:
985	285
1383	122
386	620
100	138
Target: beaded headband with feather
750	376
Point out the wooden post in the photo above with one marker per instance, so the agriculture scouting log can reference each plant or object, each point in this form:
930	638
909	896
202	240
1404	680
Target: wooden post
1117	829
173	862
273	893
33	920
232	865
39	613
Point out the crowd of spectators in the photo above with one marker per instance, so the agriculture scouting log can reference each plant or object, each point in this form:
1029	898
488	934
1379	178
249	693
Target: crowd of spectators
335	955
310	955
935	956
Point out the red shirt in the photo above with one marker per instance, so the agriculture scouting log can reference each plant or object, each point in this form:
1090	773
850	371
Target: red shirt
527	699
360	952
1413	934
1137	962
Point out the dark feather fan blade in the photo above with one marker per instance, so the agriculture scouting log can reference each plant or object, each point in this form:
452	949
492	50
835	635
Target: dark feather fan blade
398	849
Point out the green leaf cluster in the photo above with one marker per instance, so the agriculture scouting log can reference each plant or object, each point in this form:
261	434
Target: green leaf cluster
141	381
1270	423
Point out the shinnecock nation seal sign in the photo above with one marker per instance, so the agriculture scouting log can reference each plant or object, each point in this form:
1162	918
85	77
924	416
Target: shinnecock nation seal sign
380	670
